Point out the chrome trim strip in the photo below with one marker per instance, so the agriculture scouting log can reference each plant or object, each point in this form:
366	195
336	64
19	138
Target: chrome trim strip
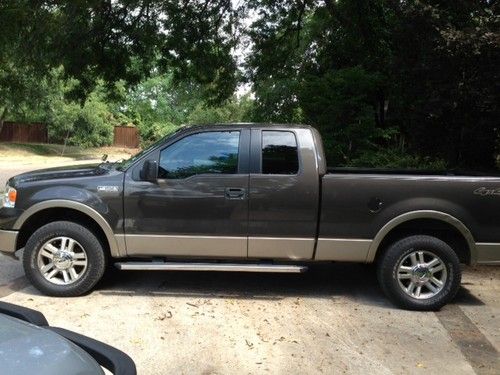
423	214
193	246
62	203
342	249
488	253
228	267
8	239
281	247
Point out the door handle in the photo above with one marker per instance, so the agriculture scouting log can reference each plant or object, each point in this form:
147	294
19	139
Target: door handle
235	193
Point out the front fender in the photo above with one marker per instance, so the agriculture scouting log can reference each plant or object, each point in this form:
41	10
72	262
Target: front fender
115	249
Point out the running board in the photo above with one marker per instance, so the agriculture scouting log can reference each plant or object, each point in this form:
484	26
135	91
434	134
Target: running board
228	267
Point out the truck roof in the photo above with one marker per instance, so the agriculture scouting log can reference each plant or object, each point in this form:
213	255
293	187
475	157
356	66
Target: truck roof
245	125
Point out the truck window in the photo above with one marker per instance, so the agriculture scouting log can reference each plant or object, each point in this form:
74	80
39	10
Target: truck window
210	152
279	152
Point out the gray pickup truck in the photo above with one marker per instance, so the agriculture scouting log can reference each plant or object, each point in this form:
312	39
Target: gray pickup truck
249	197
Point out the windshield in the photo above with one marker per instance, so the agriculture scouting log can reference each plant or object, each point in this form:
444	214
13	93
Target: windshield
128	162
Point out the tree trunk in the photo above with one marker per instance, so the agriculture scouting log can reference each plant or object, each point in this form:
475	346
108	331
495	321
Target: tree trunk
65	142
2	118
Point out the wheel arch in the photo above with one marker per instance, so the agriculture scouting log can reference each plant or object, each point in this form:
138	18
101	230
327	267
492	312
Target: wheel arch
66	210
440	220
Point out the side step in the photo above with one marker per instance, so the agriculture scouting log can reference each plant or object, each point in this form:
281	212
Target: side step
228	267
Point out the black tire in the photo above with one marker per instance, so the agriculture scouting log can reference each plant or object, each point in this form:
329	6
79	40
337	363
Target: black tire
96	259
387	272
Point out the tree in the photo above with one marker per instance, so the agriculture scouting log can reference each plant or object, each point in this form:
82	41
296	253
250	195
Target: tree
124	39
376	76
447	81
373	74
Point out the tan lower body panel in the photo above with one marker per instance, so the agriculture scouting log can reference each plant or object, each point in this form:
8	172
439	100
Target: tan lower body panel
189	246
342	250
280	248
488	253
8	241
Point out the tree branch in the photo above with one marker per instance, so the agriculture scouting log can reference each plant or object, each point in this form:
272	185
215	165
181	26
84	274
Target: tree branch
302	10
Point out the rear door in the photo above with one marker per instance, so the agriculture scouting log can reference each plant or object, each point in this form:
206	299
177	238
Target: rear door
198	207
283	194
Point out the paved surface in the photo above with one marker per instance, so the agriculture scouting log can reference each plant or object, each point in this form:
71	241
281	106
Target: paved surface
332	319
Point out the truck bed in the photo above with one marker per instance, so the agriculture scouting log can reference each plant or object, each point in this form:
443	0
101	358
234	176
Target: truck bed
357	202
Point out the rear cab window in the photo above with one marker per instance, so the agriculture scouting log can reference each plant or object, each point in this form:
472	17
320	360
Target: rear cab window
279	153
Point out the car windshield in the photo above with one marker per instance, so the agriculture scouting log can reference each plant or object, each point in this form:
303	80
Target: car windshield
128	162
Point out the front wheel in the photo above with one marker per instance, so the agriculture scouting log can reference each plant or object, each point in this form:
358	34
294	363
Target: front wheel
419	273
63	259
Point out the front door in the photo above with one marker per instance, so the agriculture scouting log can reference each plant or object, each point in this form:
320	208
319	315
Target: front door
198	207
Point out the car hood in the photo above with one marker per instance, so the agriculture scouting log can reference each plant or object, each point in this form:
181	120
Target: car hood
28	349
74	171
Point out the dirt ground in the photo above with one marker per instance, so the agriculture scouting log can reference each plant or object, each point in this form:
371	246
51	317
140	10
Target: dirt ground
331	320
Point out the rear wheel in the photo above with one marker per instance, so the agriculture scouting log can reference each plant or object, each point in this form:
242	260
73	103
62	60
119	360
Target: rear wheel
419	273
64	259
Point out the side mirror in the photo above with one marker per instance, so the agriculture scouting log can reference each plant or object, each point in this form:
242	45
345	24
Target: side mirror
149	171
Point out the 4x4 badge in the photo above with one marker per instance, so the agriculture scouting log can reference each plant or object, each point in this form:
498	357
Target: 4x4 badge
485	191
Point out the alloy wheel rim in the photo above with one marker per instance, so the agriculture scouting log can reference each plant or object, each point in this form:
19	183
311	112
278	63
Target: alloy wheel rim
422	274
62	260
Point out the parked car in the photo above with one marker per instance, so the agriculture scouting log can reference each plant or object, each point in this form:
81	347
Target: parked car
250	197
28	345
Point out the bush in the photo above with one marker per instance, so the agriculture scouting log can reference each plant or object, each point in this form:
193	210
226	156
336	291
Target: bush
62	119
235	110
87	125
150	133
94	125
398	159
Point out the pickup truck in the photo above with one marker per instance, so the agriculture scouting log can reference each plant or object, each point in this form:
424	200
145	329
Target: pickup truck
249	197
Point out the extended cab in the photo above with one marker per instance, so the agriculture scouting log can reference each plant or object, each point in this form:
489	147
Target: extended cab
249	197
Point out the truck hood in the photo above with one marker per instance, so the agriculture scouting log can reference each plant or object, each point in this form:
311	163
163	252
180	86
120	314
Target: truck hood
74	171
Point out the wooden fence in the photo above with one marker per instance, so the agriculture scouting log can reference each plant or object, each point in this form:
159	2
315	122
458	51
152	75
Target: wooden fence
126	136
23	133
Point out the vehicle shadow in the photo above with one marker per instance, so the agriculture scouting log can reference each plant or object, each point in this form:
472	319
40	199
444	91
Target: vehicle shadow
354	282
465	297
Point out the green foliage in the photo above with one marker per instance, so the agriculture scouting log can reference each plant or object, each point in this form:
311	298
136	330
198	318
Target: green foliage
62	119
158	105
86	125
152	132
125	39
94	125
398	159
234	110
343	98
368	73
